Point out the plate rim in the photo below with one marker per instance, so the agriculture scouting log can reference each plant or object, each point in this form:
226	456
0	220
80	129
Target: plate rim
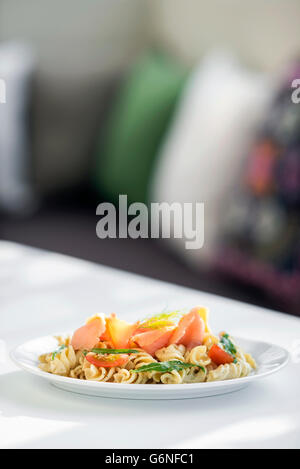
147	387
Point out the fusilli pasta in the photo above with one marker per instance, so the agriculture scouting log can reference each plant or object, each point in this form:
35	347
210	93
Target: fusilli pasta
198	356
93	373
139	359
125	376
195	375
172	352
229	371
62	363
209	340
174	377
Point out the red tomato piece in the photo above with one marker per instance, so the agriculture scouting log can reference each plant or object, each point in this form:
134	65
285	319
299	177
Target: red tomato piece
219	356
107	361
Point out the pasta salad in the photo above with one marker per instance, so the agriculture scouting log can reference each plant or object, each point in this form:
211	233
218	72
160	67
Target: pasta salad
167	348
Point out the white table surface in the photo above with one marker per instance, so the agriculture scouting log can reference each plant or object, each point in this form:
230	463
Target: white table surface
43	293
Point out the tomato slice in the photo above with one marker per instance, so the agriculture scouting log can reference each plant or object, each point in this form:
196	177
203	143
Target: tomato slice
108	361
219	356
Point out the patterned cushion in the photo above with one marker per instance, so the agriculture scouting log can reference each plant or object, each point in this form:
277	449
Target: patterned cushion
262	241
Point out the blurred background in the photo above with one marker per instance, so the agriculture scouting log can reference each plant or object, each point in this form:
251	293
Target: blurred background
162	100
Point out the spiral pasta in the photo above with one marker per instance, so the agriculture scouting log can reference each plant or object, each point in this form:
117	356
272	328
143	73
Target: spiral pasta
136	360
172	352
139	359
210	339
174	377
198	356
229	371
195	375
245	357
62	363
125	376
77	372
93	373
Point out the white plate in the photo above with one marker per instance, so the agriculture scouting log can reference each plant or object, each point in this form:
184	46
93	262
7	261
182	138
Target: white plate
270	359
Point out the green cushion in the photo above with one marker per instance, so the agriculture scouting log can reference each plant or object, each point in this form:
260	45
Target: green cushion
136	127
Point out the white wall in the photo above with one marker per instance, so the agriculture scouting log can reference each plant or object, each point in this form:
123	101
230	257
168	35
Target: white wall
81	46
263	32
76	35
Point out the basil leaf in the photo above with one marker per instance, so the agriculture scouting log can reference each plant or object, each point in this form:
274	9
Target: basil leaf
113	351
164	367
227	345
62	347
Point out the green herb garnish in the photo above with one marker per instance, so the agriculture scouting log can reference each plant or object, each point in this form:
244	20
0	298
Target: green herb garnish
62	347
164	367
113	351
227	345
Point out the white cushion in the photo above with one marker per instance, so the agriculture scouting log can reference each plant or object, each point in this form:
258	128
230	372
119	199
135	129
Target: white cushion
16	68
216	120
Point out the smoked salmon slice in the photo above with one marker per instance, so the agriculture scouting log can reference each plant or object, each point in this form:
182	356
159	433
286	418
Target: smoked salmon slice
119	331
204	314
190	330
105	337
153	340
87	336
